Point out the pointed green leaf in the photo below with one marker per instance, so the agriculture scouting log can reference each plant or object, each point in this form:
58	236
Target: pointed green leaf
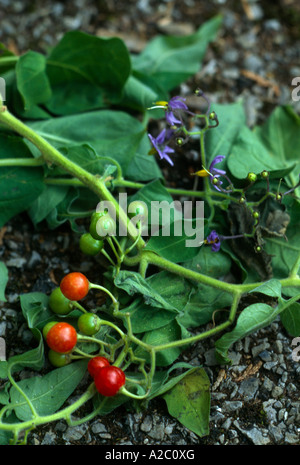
189	401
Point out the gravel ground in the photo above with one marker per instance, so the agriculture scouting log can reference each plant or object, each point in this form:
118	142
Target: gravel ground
257	53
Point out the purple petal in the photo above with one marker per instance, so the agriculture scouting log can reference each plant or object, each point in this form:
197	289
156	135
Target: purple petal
216	172
171	118
161	137
177	102
216	160
216	247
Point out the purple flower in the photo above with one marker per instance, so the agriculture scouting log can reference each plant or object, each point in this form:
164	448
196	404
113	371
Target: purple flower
160	145
175	104
215	173
213	239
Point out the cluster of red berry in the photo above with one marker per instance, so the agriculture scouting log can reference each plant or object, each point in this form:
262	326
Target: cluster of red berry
62	337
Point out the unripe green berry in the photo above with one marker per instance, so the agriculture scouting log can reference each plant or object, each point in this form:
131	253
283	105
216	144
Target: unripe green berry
251	177
47	327
264	174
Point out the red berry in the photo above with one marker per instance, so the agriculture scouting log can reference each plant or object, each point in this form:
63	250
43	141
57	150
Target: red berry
95	364
62	337
108	380
74	286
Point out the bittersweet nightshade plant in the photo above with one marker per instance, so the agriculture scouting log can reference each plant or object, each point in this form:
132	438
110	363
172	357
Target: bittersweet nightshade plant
156	288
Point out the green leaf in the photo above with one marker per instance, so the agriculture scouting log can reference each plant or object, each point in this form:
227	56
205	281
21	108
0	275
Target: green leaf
19	186
145	318
220	140
141	91
163	381
252	318
47	393
3	281
209	263
249	154
3	369
158	200
35	309
189	401
271	288
171	247
284	251
46	202
173	289
133	283
290	318
280	136
33	358
8	59
169	333
112	134
171	60
32	81
201	304
86	72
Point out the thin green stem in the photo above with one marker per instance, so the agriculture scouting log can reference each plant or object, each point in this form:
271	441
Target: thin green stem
39	420
101	288
205	334
8	61
53	156
22	162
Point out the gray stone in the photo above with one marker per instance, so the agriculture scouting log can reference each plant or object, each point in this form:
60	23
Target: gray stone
2	328
256	350
98	428
272	25
277	433
210	358
265	356
277	391
292	438
74	433
254	63
249	387
147	424
270	365
278	346
34	259
268	384
257	436
49	438
17	262
230	406
270	411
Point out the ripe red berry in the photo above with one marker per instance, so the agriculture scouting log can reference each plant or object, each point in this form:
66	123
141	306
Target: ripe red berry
61	337
108	380
74	286
95	364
